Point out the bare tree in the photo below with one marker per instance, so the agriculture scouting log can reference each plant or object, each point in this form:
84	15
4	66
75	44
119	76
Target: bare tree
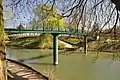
77	11
101	11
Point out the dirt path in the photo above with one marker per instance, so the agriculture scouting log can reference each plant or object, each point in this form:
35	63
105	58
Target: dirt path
66	44
20	71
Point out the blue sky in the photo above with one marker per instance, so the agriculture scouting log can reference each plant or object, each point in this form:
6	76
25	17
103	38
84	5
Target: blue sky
15	16
22	14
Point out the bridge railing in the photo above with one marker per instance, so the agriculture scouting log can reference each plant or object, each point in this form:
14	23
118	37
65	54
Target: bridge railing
44	28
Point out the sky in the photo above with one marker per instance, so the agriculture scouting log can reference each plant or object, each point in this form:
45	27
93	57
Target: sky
22	14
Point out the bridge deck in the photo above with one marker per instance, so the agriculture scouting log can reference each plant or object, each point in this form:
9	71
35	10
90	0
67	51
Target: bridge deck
36	31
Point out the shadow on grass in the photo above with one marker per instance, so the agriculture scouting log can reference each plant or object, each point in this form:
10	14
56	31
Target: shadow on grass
36	63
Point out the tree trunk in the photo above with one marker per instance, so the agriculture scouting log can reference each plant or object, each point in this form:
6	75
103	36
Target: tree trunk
3	70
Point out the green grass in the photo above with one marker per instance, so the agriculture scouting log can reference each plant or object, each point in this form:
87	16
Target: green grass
72	40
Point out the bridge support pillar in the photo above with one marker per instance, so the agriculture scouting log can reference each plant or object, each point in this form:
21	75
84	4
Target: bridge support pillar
85	44
55	49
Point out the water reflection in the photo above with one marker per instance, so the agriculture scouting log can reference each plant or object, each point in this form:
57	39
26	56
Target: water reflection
36	63
36	57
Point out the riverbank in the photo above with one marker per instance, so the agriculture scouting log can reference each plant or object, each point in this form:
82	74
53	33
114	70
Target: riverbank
45	41
105	46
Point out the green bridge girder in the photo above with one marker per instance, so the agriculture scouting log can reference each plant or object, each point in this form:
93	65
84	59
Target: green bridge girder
17	31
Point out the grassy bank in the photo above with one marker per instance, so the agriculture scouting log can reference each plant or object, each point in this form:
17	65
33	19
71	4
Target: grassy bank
105	46
44	41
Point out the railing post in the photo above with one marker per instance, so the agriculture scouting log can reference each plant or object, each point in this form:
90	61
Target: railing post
55	49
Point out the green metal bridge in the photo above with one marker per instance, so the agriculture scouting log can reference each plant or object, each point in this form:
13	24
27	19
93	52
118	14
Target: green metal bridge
47	31
54	32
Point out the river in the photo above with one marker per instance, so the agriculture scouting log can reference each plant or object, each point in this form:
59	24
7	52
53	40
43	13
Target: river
75	66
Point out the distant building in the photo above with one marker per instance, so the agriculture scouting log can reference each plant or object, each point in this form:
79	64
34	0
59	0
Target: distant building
20	27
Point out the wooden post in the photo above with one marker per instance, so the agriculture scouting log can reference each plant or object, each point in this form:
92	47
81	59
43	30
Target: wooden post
3	70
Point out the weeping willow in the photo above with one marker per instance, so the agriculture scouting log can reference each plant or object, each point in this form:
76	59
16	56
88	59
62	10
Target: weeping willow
2	46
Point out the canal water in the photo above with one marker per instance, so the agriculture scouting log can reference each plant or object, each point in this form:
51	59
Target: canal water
72	65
